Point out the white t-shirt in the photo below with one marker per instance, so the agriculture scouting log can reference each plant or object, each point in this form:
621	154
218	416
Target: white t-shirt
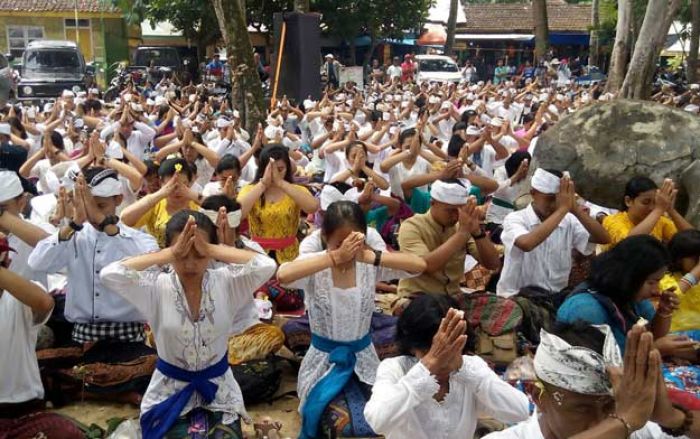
394	71
335	162
398	174
21	380
41	171
507	193
488	160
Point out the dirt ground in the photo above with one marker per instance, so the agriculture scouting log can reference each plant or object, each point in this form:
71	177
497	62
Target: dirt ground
283	409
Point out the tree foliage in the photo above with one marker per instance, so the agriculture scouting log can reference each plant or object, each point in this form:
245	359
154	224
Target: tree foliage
344	19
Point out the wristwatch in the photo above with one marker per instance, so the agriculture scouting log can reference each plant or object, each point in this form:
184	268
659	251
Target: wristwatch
377	258
109	220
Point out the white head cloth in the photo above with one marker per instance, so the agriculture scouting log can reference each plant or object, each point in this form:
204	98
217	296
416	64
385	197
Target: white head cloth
114	150
108	186
330	194
233	218
575	368
545	182
449	193
10	186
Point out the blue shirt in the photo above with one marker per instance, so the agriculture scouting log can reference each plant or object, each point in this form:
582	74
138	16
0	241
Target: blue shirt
585	307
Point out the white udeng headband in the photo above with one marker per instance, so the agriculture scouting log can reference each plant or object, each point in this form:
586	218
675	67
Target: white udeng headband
575	368
109	187
449	193
545	182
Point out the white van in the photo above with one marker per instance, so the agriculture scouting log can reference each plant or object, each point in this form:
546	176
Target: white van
437	68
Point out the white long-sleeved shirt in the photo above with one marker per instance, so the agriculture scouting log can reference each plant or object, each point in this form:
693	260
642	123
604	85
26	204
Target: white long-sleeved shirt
19	261
139	140
84	255
227	308
549	264
225	146
402	404
530	429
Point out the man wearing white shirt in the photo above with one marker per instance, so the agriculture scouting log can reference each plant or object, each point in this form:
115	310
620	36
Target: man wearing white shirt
137	134
539	239
433	390
576	396
22	235
92	240
24	307
394	70
228	141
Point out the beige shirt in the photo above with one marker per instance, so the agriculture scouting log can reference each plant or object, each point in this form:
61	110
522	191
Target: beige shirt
420	235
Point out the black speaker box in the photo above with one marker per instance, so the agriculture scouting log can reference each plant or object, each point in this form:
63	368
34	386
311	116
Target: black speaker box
301	59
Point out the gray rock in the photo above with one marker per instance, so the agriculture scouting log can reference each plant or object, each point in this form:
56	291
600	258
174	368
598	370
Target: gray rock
604	145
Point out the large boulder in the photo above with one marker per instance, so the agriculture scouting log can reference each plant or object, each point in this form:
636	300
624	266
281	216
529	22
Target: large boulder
604	145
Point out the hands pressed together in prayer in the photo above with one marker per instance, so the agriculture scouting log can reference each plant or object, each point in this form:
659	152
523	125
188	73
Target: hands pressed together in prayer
445	354
469	221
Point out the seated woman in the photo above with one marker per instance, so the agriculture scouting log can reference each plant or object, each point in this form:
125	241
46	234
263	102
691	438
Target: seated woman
619	288
192	309
433	390
339	285
261	339
356	157
272	203
685	272
191	147
155	210
647	210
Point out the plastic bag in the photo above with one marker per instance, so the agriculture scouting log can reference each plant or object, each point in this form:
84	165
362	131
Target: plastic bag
129	429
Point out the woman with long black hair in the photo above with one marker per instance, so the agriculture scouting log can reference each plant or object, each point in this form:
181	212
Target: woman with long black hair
205	295
339	285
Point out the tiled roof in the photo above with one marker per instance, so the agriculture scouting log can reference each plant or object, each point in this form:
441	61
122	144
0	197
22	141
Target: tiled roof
58	6
517	17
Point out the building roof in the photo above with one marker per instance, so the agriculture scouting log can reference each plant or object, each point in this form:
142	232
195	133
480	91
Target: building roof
440	11
58	6
517	17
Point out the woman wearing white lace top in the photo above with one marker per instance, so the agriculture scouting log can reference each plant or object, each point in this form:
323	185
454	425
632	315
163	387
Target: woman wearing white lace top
339	287
192	309
435	392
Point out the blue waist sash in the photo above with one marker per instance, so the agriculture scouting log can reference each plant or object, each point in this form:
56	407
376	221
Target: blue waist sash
156	422
342	355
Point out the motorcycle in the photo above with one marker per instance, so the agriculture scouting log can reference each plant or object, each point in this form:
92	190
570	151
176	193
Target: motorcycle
119	82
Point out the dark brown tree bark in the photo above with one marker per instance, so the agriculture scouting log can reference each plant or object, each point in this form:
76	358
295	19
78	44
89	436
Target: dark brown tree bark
621	49
246	89
694	42
652	35
451	27
539	18
594	42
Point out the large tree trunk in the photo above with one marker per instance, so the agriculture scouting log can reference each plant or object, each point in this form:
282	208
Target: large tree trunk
246	89
657	20
694	42
451	27
621	49
539	17
594	48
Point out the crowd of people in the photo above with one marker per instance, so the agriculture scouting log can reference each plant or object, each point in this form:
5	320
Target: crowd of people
149	243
